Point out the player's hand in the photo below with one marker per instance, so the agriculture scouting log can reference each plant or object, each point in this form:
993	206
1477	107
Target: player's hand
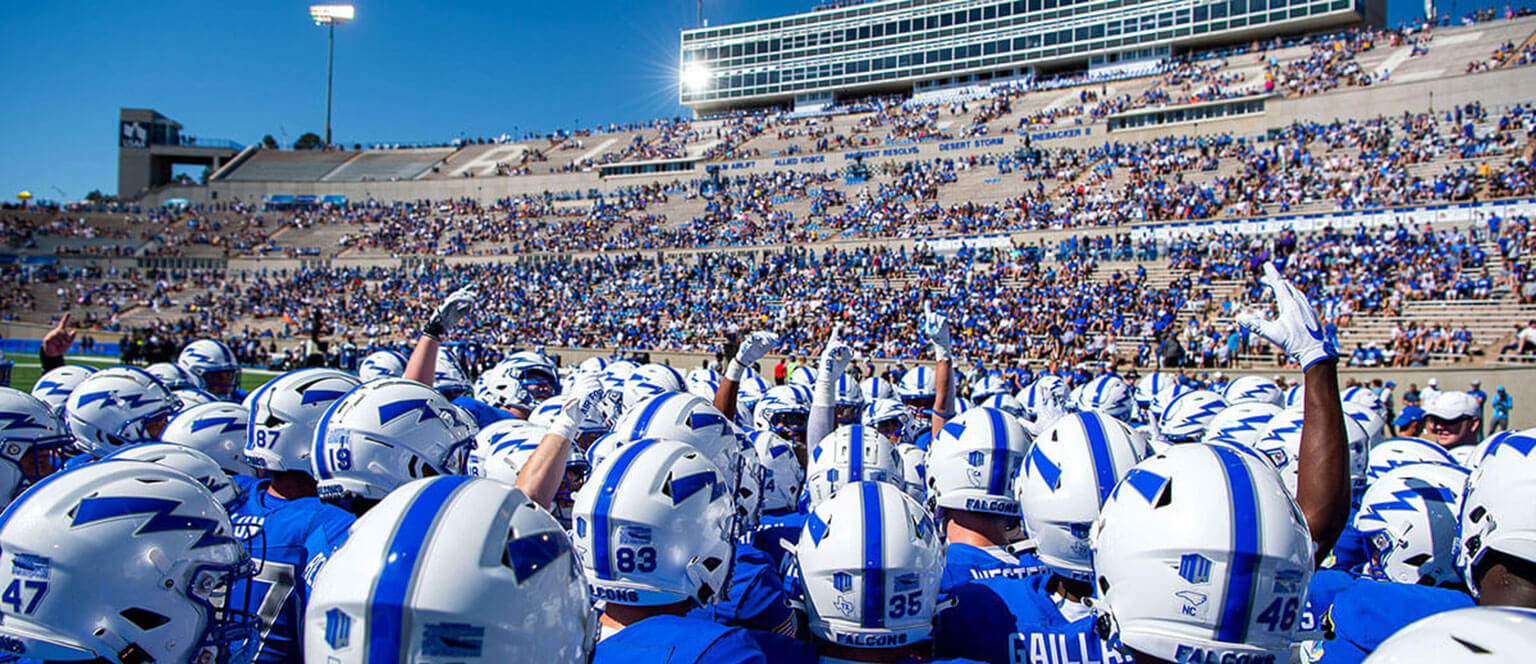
1295	330
936	328
58	340
586	398
451	312
755	347
836	356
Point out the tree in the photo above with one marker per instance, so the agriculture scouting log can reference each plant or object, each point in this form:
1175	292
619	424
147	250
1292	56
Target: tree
309	141
268	142
97	197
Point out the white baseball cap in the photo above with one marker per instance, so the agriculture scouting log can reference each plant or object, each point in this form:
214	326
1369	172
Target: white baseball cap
1433	382
1451	405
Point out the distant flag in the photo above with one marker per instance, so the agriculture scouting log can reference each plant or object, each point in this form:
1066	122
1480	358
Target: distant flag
289	320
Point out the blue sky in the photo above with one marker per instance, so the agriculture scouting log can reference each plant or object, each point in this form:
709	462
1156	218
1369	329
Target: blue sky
405	72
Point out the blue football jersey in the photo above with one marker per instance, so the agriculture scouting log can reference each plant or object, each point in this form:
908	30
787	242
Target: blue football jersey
1355	614
1003	619
1349	552
285	537
963	562
483	413
679	640
757	599
773	528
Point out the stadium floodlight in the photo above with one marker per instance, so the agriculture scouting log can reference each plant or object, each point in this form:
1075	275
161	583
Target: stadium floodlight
695	77
329	16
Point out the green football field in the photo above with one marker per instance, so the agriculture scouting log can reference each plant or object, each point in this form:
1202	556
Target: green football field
25	373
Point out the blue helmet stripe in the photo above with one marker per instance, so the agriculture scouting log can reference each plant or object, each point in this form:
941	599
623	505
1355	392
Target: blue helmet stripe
997	483
1098	450
874	557
1242	570
644	421
386	610
601	564
856	454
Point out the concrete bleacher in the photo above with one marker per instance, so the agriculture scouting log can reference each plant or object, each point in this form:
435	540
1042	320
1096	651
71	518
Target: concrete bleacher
384	165
290	166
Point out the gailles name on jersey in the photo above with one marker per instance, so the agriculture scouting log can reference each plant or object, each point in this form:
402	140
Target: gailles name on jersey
1197	655
872	640
1047	648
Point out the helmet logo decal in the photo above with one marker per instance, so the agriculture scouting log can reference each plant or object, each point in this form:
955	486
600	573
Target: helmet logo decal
158	510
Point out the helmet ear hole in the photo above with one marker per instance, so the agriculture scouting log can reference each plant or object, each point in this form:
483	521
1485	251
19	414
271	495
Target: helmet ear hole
1167	498
143	619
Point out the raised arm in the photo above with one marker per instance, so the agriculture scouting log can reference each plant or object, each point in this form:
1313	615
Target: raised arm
540	478
1322	486
936	328
422	366
823	418
752	349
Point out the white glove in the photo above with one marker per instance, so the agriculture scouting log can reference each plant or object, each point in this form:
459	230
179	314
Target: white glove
451	312
936	328
1295	330
753	348
835	357
586	395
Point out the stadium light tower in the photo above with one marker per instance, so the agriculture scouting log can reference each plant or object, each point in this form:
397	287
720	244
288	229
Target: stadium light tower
329	16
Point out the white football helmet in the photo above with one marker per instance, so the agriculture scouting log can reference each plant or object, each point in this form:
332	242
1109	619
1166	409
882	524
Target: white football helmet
32	439
1496	510
1473	635
1471	459
914	471
689	419
1364	397
783	478
1372	422
876	387
214	365
381	364
1408	518
973	461
499	440
124	561
1252	389
216	429
1185	418
803	375
1005	403
1281	444
285	413
917	388
173	376
1067	477
519	382
655	525
1394	452
1106	394
451	568
1201	554
784	412
190	461
448	376
869	563
1150	385
892	420
849	399
1240	423
1161	400
116	407
512	449
386	433
988	386
53	388
191	396
1044	389
650	380
595	364
848	455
